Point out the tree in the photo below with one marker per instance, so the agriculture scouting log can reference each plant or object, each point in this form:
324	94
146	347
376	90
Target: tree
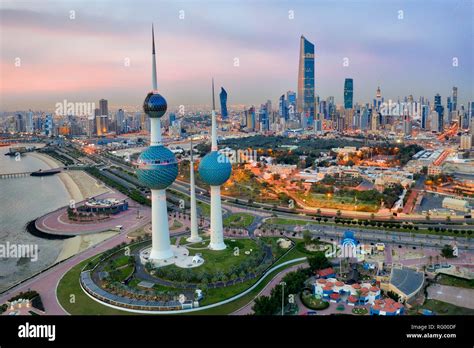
447	251
265	305
318	261
307	237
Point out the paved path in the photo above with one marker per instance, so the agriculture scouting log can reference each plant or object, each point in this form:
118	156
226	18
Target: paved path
247	309
46	283
457	296
57	223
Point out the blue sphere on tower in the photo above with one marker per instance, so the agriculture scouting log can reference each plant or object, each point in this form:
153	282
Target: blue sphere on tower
157	165
215	168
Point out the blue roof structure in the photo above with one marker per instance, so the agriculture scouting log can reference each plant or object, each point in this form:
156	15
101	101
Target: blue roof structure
407	280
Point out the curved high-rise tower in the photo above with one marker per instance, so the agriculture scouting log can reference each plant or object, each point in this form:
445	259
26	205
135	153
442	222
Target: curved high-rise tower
215	170
157	169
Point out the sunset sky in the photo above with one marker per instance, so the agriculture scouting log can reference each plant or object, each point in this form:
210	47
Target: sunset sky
83	59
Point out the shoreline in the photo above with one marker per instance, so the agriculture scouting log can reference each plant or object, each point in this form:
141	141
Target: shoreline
68	183
79	186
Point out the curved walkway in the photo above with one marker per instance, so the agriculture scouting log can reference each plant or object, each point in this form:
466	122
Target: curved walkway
182	311
247	309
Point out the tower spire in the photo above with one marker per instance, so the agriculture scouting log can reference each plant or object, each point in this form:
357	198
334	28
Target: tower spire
214	122
213	98
154	81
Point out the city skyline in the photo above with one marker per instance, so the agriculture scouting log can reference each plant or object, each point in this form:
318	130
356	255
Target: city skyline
65	56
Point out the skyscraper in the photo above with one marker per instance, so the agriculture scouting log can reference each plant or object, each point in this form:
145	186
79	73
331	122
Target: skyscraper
424	116
215	170
291	104
440	110
306	86
378	99
157	169
103	107
223	99
455	98
282	108
348	93
120	120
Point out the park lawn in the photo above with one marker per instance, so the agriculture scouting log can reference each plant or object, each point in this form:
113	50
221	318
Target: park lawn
231	307
83	304
444	308
282	221
277	251
205	208
455	281
239	220
221	260
121	261
319	200
220	294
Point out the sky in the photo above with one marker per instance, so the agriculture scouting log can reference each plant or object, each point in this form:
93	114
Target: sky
104	51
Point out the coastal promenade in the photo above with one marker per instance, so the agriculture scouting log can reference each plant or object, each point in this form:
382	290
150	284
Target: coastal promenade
57	222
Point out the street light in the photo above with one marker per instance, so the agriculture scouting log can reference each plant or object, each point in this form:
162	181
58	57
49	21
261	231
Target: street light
282	297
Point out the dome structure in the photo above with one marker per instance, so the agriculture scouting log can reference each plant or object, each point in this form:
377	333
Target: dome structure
157	167
215	168
155	105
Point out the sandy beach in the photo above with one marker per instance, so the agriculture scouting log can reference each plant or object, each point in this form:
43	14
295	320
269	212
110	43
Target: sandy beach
78	183
75	245
79	186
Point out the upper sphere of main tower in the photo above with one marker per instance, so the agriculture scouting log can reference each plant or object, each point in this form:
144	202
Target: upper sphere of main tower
155	105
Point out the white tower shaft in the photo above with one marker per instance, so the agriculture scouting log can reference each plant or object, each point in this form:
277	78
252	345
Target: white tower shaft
155	131
160	240
217	231
194	223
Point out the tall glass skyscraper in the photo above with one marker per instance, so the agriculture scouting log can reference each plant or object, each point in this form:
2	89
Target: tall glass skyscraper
440	110
348	93
455	98
223	99
305	101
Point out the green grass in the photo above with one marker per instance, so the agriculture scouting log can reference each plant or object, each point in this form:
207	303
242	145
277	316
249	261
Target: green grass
444	308
83	305
313	303
337	202
222	260
204	208
220	294
455	281
244	300
239	220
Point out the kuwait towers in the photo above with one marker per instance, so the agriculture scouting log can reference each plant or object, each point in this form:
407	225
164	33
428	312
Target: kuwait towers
215	169
157	169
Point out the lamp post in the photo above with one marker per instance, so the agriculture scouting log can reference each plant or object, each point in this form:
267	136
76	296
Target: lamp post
282	297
